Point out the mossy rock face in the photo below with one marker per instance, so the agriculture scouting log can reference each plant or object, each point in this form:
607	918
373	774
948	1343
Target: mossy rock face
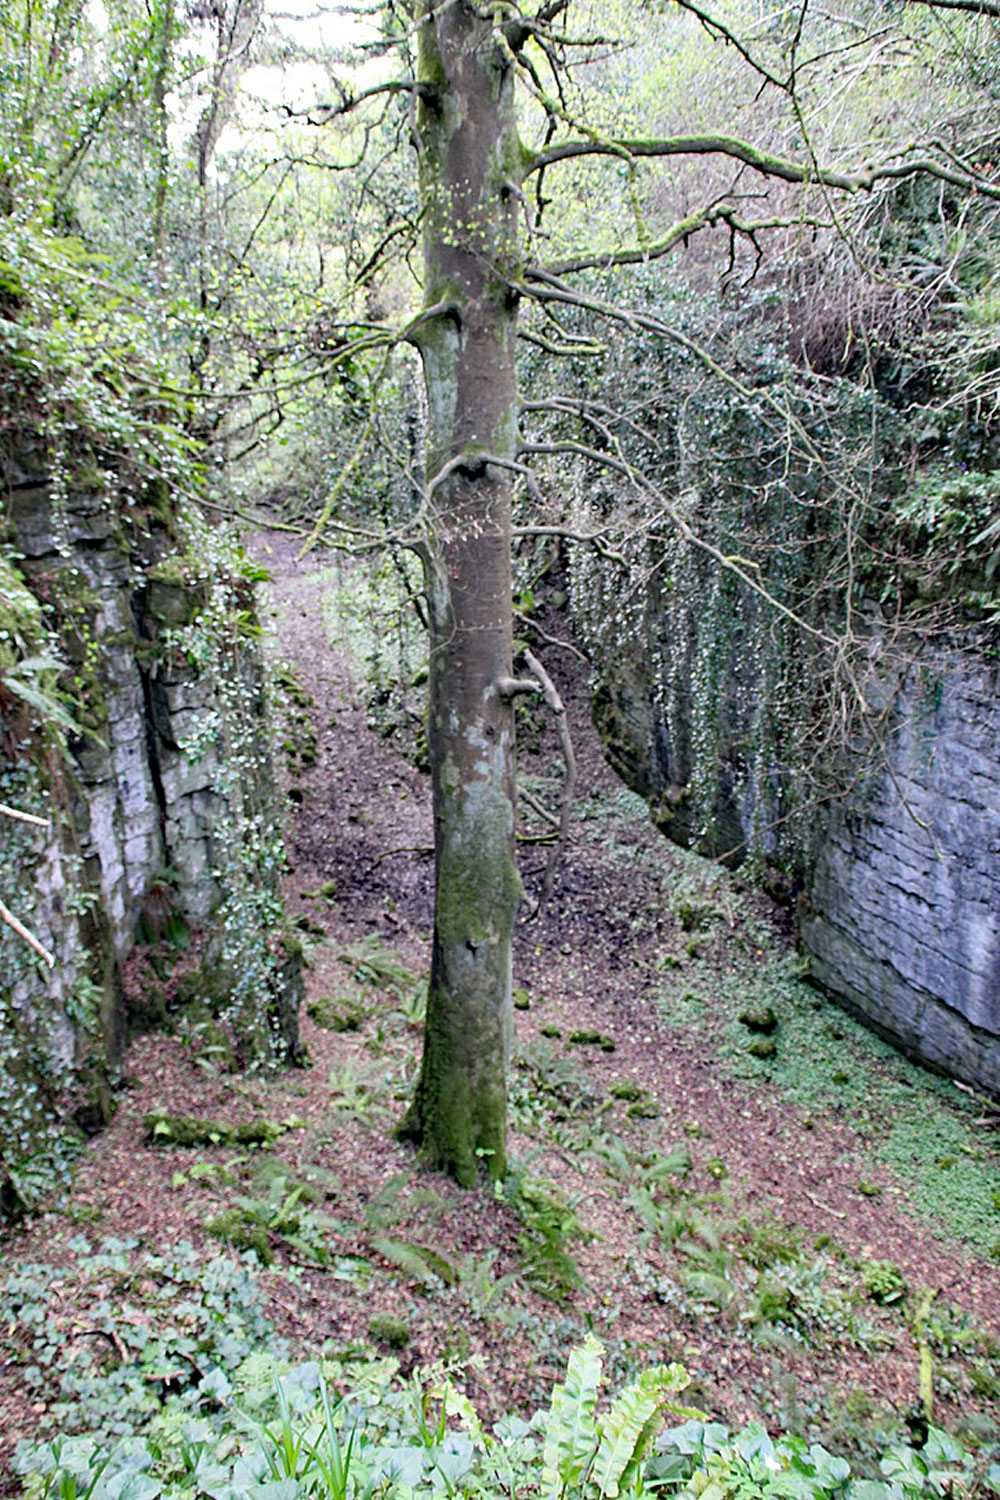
202	991
337	1013
98	1102
172	599
521	999
762	1020
550	1031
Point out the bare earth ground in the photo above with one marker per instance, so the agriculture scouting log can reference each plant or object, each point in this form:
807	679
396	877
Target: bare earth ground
594	960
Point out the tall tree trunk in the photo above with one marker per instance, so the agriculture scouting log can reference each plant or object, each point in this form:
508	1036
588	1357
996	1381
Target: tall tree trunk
470	163
162	61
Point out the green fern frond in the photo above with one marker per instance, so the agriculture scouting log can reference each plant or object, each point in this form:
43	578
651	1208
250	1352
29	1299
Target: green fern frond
417	1261
570	1432
630	1427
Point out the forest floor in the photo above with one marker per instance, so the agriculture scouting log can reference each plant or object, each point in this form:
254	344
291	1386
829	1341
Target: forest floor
789	1227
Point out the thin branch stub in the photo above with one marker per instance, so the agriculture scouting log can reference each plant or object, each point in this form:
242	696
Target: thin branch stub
516	687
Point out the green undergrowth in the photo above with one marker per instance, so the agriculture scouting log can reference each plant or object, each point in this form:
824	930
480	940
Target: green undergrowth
350	1425
826	1063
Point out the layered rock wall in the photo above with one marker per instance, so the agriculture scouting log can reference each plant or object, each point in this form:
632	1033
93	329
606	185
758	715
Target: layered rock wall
903	917
896	880
158	803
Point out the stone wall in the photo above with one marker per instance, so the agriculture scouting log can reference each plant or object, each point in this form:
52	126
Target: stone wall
144	806
897	883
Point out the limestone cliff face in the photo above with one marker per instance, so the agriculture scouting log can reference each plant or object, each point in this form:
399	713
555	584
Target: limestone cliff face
161	810
896	882
903	919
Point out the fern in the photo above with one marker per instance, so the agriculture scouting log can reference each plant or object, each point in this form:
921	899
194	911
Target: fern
419	1262
570	1432
380	967
630	1426
602	1456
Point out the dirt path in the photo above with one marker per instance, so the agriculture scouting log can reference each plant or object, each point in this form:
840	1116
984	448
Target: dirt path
716	1223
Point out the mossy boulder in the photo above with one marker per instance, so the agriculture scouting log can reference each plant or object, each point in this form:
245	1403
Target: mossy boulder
588	1037
760	1019
393	1332
763	1048
163	1129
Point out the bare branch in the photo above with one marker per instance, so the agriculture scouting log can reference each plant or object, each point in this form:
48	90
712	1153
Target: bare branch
971	7
716	29
550	640
509	688
29	937
701	218
538	806
763	162
22	817
567	349
349	101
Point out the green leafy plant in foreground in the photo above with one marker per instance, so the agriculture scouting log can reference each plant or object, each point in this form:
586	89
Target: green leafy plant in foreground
279	1435
602	1455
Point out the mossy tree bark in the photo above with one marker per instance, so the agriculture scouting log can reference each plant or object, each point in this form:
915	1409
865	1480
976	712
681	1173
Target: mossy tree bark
470	163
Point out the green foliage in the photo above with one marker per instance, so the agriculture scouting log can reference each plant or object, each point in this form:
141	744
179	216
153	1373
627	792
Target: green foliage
30	668
589	1455
372	963
951	517
423	1264
201	1319
829	1062
253	1425
283	1215
354	1091
337	1013
705	1460
548	1091
884	1282
549	1224
374	621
